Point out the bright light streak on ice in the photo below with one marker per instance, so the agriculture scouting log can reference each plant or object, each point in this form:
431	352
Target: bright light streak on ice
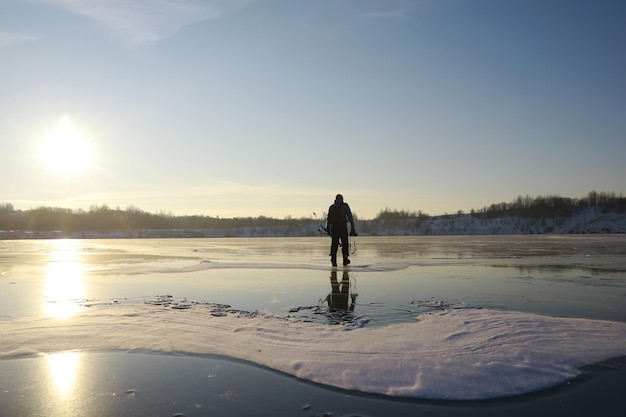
449	354
63	367
64	280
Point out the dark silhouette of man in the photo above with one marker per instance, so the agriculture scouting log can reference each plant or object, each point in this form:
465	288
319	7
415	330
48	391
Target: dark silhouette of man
338	299
339	214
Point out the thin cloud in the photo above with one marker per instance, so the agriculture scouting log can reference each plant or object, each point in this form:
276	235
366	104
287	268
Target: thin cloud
145	21
8	39
395	14
224	198
402	10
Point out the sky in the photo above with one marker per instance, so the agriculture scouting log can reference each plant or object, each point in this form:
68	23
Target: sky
238	108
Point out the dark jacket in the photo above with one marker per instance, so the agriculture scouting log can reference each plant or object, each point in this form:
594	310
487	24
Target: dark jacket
339	214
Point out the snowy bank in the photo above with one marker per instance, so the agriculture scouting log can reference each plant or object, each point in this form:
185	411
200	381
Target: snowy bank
450	354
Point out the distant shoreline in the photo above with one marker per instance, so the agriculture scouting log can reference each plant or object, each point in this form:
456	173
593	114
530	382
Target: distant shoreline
591	220
598	213
221	234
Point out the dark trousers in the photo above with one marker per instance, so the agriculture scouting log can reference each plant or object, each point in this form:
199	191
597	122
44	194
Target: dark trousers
336	236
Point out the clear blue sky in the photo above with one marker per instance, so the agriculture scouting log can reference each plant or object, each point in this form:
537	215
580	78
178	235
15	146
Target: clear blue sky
271	107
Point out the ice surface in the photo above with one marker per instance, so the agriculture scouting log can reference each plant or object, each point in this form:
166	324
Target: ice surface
448	347
448	354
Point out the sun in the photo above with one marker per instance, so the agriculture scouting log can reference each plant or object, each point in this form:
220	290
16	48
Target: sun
66	150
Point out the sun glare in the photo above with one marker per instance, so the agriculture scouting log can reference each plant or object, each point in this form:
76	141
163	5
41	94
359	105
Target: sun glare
64	285
66	150
63	367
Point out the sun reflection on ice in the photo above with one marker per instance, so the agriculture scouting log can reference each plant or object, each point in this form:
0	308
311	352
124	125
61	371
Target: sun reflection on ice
64	287
63	368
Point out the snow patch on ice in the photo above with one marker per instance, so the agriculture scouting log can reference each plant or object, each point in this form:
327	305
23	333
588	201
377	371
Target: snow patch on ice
446	354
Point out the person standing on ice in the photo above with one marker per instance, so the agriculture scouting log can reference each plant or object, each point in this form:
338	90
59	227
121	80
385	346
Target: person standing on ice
339	215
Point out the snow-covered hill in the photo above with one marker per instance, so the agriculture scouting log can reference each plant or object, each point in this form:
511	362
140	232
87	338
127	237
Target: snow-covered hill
590	220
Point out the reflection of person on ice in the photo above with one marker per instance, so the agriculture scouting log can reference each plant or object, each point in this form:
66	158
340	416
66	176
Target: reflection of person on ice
338	298
339	215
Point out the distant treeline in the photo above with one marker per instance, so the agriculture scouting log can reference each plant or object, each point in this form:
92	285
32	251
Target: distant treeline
548	206
104	218
552	206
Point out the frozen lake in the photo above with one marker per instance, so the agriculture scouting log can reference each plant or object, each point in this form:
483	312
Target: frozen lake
471	317
391	278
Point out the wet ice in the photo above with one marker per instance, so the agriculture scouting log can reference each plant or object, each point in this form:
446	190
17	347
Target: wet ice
422	319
